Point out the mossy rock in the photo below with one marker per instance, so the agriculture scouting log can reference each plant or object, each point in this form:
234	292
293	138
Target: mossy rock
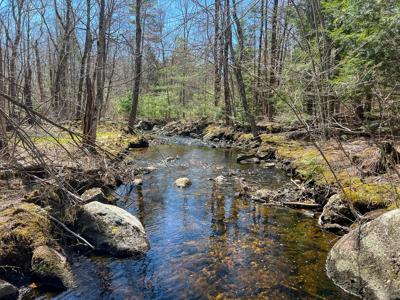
52	268
23	228
213	132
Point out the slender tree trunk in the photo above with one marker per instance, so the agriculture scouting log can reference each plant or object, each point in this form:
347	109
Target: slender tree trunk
101	58
217	70
237	62
138	67
227	38
39	72
259	58
86	50
60	84
273	64
3	123
12	90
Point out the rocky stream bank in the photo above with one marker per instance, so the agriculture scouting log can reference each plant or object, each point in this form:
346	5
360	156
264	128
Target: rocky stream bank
40	231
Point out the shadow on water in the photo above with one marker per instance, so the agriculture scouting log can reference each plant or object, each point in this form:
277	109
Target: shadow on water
207	243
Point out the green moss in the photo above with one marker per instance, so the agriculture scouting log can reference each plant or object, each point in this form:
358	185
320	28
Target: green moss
376	194
245	137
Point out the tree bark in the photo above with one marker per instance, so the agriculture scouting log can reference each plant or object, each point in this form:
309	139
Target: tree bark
237	62
138	67
217	70
86	50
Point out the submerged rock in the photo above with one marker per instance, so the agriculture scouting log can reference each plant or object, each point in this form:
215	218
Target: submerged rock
52	268
183	182
8	291
336	215
112	229
365	262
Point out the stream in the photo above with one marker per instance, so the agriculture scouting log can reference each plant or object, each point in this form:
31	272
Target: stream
208	243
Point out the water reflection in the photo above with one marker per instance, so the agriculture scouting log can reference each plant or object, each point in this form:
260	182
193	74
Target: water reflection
207	243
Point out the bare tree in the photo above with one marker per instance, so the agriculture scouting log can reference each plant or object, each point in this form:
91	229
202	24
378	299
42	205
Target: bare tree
138	66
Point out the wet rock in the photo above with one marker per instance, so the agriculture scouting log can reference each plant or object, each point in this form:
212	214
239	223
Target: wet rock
245	156
112	230
266	154
7	291
268	164
219	179
138	142
253	160
263	194
138	181
144	125
336	215
365	261
95	194
52	268
183	182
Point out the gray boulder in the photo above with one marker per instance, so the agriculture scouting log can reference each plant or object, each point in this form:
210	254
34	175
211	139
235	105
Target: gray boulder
366	261
8	291
336	215
112	230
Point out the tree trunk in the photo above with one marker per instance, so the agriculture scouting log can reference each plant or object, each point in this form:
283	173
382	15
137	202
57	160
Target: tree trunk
237	62
86	50
101	59
3	122
39	72
273	64
227	38
138	67
217	70
12	90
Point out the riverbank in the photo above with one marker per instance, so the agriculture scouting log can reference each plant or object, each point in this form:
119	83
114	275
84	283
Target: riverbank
355	162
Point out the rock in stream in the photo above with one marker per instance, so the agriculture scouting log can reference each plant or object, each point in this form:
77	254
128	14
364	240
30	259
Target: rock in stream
366	261
112	229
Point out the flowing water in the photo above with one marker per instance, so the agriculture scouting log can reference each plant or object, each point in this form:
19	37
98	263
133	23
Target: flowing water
208	243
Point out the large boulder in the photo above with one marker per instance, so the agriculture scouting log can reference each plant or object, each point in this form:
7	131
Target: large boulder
336	216
112	230
8	291
366	261
52	268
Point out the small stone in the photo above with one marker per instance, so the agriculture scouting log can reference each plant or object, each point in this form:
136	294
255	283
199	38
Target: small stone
269	165
8	291
169	158
253	160
95	194
264	194
138	181
219	179
183	182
